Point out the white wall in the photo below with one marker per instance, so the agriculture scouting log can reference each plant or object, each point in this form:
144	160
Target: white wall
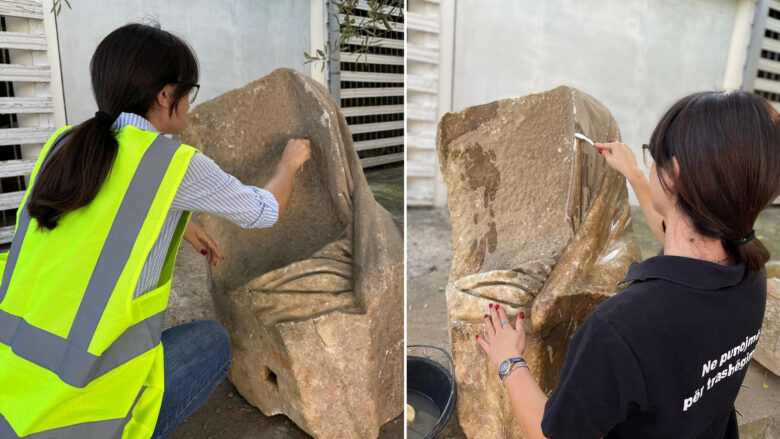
236	41
636	56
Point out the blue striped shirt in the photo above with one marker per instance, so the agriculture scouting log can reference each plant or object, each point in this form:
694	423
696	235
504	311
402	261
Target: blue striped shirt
204	188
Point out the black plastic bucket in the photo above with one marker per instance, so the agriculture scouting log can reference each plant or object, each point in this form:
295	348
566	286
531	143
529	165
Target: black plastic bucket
434	381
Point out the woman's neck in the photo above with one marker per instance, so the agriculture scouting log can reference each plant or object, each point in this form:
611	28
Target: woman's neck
681	239
154	118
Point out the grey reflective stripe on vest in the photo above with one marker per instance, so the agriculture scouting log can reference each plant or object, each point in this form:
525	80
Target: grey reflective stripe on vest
108	429
73	365
68	358
24	222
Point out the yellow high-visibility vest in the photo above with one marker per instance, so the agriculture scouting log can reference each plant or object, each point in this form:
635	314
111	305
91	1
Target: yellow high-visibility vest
79	356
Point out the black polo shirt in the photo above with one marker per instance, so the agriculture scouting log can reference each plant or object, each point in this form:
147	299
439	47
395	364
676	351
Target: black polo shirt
663	358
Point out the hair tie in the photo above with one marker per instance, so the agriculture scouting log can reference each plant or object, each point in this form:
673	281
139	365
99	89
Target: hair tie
105	117
743	241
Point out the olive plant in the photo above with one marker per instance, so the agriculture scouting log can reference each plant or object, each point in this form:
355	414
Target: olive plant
365	30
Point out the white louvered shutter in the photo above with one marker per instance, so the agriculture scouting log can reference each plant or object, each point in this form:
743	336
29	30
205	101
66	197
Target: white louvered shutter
423	57
27	107
762	68
370	91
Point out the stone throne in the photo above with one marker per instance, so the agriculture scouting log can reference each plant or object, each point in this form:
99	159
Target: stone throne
540	224
314	304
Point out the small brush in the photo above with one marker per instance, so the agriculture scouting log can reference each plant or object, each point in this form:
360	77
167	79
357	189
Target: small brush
582	137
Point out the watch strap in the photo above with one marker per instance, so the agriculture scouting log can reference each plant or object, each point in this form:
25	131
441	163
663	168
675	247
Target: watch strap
515	365
509	363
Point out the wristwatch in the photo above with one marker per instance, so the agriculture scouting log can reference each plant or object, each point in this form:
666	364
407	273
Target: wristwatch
510	366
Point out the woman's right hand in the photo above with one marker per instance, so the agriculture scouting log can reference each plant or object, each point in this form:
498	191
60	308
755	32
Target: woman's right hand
296	153
621	158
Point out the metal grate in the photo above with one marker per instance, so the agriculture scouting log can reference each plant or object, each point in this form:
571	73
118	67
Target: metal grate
370	90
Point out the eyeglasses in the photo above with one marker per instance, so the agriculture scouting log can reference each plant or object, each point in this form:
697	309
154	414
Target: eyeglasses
194	92
646	156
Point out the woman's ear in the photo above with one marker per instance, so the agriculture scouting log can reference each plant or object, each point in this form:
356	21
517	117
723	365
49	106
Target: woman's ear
672	182
165	97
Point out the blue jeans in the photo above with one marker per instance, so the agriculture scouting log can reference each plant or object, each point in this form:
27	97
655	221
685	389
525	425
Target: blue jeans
197	357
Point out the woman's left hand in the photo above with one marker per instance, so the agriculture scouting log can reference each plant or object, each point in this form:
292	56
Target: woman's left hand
503	341
202	242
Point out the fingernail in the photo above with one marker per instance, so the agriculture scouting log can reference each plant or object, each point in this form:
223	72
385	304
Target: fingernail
477	335
491	306
486	316
522	315
599	151
203	252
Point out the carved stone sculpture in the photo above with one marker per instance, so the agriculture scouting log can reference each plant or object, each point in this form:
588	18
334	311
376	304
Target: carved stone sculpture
540	224
314	304
768	350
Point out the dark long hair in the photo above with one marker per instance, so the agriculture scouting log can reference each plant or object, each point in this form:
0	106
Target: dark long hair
129	68
727	145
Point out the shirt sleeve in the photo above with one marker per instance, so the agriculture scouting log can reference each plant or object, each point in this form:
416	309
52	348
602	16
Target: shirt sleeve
600	383
207	188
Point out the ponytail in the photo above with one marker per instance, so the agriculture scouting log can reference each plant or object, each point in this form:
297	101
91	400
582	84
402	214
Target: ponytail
749	250
753	254
75	173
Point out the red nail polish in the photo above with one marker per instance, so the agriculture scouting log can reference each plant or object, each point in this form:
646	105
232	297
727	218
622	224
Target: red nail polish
477	335
306	137
599	151
491	306
496	307
486	316
204	252
522	315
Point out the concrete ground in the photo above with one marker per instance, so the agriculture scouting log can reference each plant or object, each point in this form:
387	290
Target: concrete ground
226	414
429	257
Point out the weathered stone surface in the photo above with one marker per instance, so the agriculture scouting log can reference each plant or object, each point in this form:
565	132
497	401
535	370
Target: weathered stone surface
758	410
768	350
314	305
540	223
